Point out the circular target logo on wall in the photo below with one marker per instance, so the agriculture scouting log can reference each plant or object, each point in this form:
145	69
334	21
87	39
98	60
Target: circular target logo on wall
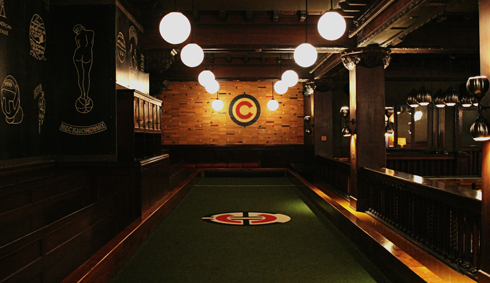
244	110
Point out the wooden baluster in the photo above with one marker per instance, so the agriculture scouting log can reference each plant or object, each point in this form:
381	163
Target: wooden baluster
411	215
405	206
396	206
476	245
445	230
417	218
453	234
461	224
467	242
431	216
422	236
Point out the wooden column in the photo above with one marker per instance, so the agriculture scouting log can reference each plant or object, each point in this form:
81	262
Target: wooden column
324	123
484	273
367	108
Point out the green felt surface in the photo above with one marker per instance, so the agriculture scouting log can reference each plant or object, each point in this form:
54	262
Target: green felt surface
185	248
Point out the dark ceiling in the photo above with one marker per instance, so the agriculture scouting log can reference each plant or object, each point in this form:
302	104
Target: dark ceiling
255	40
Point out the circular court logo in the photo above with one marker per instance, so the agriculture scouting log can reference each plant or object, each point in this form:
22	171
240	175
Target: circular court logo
247	218
244	110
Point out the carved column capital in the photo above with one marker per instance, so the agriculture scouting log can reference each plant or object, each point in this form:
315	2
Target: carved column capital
368	57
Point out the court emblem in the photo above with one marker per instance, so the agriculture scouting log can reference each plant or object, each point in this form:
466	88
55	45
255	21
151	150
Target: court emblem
244	110
247	218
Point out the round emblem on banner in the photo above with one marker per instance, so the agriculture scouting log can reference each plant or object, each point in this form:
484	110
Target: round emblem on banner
247	218
244	110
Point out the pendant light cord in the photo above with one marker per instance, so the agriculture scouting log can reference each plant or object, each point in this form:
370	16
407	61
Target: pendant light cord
192	7
306	22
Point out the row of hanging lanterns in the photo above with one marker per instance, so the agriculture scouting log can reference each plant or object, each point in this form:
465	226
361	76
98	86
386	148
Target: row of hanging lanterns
441	99
175	28
331	26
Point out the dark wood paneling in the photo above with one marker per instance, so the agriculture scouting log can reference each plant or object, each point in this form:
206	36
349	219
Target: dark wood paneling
269	156
108	260
54	217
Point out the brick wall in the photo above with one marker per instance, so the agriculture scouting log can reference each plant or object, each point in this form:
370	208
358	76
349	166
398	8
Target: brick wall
188	117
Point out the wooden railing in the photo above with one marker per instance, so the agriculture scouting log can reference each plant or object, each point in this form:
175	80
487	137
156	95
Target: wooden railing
441	165
334	174
463	163
441	218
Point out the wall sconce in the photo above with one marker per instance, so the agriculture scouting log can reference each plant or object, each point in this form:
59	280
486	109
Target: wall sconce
346	131
307	124
478	86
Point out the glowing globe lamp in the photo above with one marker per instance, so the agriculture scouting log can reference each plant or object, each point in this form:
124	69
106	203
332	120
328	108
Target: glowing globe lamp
192	55
212	87
272	104
205	77
217	104
290	78
280	87
331	25
175	28
305	55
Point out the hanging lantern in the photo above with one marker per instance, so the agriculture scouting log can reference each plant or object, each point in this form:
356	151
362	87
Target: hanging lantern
272	104
423	97
479	130
280	87
331	25
305	55
290	78
466	100
175	28
412	100
192	55
451	96
217	104
477	86
439	99
205	77
212	87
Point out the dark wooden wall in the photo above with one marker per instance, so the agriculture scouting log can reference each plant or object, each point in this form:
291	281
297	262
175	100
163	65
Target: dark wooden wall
269	156
53	216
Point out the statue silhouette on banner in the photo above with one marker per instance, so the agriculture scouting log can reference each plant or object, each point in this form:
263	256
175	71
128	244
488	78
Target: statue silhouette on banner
83	59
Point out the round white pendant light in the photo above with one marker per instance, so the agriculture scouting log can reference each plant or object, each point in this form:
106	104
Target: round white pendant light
175	28
272	104
217	104
331	25
290	78
212	87
305	55
280	87
205	77
192	55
